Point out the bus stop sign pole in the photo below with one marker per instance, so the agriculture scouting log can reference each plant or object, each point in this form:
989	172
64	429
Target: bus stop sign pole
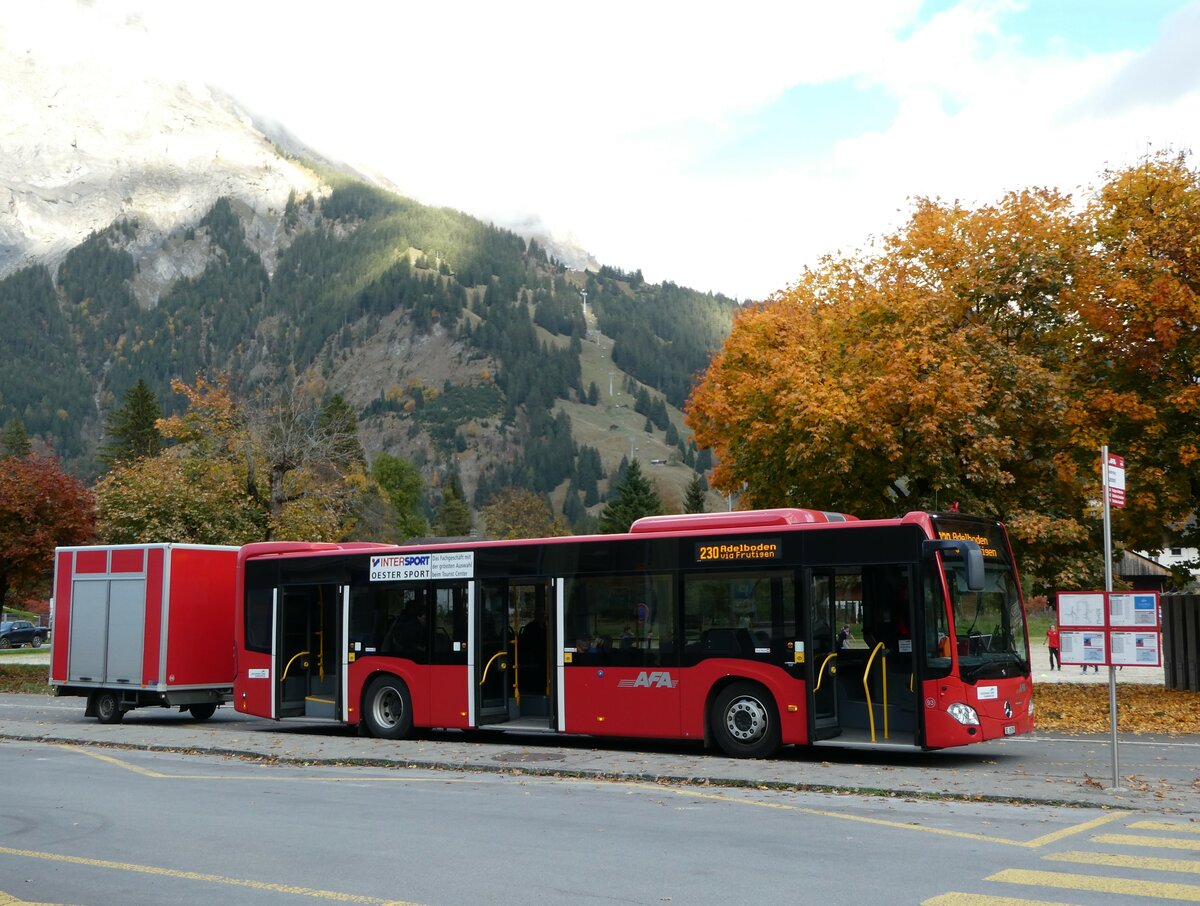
1108	472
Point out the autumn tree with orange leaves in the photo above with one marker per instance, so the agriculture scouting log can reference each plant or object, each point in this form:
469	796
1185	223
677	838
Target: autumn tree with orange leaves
235	471
982	356
41	507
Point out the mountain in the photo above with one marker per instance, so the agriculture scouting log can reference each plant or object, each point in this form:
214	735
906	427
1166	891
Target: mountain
152	231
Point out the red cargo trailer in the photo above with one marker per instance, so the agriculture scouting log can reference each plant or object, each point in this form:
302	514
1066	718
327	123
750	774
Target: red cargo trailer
144	624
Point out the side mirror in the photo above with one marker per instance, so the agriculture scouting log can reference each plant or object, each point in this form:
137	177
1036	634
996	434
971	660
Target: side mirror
970	553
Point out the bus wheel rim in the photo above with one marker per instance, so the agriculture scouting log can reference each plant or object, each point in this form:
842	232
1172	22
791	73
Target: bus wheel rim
389	708
746	719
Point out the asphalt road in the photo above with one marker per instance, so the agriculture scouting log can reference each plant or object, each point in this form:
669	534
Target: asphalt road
241	810
98	825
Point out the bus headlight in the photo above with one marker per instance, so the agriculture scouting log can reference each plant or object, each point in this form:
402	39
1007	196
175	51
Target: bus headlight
964	714
1029	710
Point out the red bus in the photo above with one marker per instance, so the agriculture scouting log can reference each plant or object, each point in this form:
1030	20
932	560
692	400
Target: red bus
723	628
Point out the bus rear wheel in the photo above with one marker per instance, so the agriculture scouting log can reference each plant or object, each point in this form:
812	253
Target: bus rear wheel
387	708
744	722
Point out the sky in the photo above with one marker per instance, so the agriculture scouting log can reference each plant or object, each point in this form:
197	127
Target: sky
725	147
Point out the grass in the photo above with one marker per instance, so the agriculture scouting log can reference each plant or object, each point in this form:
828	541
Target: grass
26	679
25	649
1038	624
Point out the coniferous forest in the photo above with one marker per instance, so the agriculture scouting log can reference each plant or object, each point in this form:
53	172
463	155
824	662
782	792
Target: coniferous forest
355	270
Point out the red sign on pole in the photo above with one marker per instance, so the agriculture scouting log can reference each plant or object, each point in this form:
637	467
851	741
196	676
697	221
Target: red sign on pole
1114	480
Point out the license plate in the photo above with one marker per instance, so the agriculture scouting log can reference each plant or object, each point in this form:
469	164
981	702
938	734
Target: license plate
1010	731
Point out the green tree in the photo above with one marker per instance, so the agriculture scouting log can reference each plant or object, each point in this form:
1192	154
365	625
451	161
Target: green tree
132	430
401	482
635	498
453	518
339	425
14	441
693	501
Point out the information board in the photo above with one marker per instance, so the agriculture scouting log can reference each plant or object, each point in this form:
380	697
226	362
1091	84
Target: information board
1109	628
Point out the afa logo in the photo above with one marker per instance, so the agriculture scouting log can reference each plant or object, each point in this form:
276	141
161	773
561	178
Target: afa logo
650	679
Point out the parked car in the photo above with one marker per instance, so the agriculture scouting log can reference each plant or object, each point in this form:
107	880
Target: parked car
15	633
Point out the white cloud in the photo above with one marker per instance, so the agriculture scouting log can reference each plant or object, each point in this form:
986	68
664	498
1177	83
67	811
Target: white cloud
592	117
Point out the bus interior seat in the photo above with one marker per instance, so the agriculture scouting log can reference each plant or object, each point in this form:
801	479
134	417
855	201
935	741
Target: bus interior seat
726	642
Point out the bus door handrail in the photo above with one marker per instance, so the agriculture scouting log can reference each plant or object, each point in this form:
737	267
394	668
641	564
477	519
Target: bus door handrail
821	673
867	690
503	652
289	664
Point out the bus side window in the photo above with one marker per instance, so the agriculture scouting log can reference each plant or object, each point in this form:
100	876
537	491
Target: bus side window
259	608
450	625
619	621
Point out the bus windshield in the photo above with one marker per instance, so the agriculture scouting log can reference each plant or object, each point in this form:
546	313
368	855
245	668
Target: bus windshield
989	625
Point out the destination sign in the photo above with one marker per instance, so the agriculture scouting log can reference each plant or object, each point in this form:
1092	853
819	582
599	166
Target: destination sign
734	551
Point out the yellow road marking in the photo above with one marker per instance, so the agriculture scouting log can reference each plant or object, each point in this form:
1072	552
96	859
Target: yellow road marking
1149	863
883	822
146	772
1135	840
118	762
982	899
1159	890
333	895
1165	826
1055	836
7	899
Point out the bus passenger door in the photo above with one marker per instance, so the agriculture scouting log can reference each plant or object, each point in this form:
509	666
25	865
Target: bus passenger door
822	660
309	656
491	673
532	602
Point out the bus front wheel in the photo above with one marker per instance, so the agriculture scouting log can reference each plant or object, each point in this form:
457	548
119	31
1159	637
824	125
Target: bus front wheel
388	708
744	721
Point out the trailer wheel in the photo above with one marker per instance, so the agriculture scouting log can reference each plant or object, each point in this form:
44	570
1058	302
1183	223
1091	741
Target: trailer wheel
203	711
107	708
388	708
744	721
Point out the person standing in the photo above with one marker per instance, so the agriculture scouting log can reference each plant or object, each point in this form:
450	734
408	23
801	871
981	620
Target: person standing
531	648
1052	644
